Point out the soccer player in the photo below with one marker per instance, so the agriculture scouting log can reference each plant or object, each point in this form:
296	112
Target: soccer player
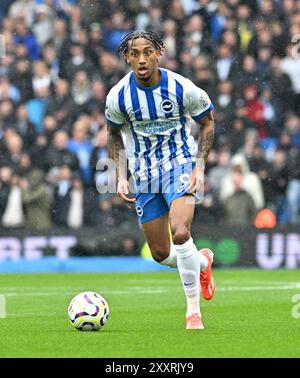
147	115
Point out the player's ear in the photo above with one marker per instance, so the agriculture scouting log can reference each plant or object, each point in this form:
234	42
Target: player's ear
158	54
127	58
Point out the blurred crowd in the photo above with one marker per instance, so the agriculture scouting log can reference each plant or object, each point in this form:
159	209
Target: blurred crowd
58	62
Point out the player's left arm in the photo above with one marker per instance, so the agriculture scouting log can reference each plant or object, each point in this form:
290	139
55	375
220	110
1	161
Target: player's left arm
206	139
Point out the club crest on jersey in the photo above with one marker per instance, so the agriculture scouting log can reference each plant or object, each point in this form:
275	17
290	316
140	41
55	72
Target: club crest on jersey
167	106
139	211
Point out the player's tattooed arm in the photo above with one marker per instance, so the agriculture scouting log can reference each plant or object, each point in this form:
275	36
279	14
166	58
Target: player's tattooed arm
206	139
116	150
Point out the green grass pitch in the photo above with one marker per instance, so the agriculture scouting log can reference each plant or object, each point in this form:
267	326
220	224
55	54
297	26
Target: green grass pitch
251	315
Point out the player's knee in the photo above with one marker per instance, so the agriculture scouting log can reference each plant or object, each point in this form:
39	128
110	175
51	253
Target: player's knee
180	234
159	254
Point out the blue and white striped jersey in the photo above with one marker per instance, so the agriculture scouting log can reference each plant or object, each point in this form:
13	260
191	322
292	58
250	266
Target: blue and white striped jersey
154	121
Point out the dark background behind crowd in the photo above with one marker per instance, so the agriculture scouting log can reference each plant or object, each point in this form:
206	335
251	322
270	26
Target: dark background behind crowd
60	61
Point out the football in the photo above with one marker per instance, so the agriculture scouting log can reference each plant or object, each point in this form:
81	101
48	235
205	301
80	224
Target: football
88	311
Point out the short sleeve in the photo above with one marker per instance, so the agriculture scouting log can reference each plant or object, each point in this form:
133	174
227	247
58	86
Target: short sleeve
114	116
197	101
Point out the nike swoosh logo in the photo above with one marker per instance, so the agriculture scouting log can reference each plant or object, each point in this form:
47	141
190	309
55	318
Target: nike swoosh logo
130	110
188	284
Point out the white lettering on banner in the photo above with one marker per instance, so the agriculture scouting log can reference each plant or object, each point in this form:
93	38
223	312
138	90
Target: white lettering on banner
10	249
33	247
63	245
293	251
285	251
263	258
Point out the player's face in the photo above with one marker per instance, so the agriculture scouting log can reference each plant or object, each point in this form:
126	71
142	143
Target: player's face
143	58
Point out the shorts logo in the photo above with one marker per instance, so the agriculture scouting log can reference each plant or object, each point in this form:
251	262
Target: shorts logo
167	106
139	211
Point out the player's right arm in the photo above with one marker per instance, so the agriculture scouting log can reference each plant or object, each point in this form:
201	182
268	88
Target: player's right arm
116	150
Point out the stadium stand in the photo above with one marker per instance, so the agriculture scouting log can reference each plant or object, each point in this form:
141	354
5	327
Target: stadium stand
60	61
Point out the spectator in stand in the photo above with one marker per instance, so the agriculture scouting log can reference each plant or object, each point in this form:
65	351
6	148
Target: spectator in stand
81	88
78	61
24	127
24	36
255	109
97	101
263	168
224	64
292	126
82	147
8	91
248	75
61	43
239	207
75	217
251	182
62	197
7	114
219	171
14	148
279	180
109	68
209	208
51	59
43	24
61	105
58	154
293	187
225	104
37	106
291	66
50	126
236	136
36	202
23	9
13	216
96	42
21	77
5	182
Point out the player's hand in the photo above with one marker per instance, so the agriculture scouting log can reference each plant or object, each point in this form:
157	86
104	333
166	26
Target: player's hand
123	191
196	181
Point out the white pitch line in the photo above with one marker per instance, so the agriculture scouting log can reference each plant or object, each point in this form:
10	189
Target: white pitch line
260	288
141	290
117	292
223	285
